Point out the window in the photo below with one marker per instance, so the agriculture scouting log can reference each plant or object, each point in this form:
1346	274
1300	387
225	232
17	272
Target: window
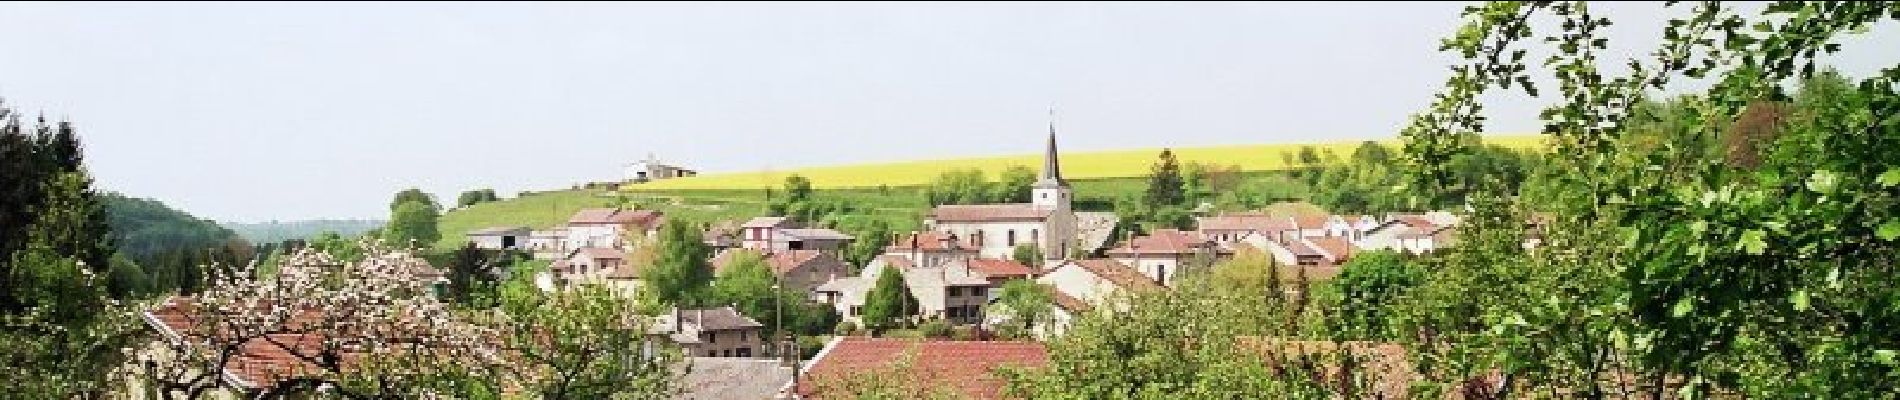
745	335
745	352
978	291
855	310
712	337
954	292
1012	238
725	353
712	353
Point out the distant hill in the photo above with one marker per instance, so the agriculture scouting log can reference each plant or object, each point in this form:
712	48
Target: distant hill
1075	165
278	231
146	227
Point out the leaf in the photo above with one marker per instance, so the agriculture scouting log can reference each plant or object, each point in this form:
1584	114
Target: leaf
1890	178
1889	230
1683	307
1800	300
1822	181
1885	356
1754	241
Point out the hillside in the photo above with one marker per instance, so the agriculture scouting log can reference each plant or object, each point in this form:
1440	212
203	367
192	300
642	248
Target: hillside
1075	165
146	227
278	231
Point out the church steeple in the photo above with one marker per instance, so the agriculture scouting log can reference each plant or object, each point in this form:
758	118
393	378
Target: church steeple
1051	170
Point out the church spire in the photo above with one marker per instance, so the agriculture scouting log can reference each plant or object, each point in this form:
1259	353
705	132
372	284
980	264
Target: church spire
1051	170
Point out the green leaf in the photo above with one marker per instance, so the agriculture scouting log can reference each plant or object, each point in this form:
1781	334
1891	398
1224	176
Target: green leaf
1683	307
1822	181
1800	300
1754	241
1885	356
1889	230
1890	178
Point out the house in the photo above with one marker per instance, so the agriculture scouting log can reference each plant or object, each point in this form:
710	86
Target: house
772	234
953	291
548	244
710	332
1096	280
1228	229
1310	225
1351	227
1046	222
967	369
596	265
651	169
722	236
1409	233
798	270
926	249
500	238
1161	254
608	227
1000	271
1063	311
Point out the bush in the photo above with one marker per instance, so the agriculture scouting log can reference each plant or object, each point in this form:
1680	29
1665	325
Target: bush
967	332
846	328
936	328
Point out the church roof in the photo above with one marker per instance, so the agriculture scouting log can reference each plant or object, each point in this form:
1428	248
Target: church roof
988	213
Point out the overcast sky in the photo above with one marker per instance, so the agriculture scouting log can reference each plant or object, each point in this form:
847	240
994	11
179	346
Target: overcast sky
253	112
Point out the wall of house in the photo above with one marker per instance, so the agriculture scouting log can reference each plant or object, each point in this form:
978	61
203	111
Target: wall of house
1078	283
995	236
1159	267
813	273
971	299
579	236
727	343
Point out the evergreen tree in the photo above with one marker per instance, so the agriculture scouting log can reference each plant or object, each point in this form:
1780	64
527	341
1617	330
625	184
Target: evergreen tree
471	273
888	302
1166	187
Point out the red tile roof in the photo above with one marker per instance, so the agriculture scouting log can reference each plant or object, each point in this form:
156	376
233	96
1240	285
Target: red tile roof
260	362
1067	302
1164	241
647	219
1337	246
779	262
1116	273
1311	221
966	368
900	262
1245	222
1000	269
988	212
929	241
602	253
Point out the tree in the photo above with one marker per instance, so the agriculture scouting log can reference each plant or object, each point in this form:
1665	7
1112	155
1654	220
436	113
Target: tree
473	197
1165	184
1366	286
1014	185
747	284
125	279
681	274
1027	304
868	240
413	195
888	302
586	343
797	189
471	273
412	224
963	186
1029	254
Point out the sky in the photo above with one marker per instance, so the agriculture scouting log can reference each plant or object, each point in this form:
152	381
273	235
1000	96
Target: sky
252	112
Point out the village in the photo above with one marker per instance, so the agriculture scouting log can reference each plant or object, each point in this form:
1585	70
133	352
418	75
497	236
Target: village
955	269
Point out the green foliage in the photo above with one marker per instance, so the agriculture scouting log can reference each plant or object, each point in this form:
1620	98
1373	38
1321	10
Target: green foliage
967	186
797	189
1014	185
144	228
125	279
586	343
413	195
279	231
868	240
412	224
472	278
1166	186
1029	254
1727	243
1027	305
889	302
679	277
1365	287
474	197
935	329
747	284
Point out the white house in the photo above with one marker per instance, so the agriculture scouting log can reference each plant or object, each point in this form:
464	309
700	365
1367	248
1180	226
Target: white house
996	229
500	238
927	249
596	265
1415	234
774	234
1351	227
954	292
548	244
607	227
651	169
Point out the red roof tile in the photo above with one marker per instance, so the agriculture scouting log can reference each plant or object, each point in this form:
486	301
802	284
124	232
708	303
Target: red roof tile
779	262
1244	222
1000	269
1337	246
1115	272
1311	221
1164	241
967	368
930	241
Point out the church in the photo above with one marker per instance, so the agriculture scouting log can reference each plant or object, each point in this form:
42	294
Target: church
1046	222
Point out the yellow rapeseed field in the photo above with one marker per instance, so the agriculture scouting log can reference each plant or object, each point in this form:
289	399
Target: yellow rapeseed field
1075	165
